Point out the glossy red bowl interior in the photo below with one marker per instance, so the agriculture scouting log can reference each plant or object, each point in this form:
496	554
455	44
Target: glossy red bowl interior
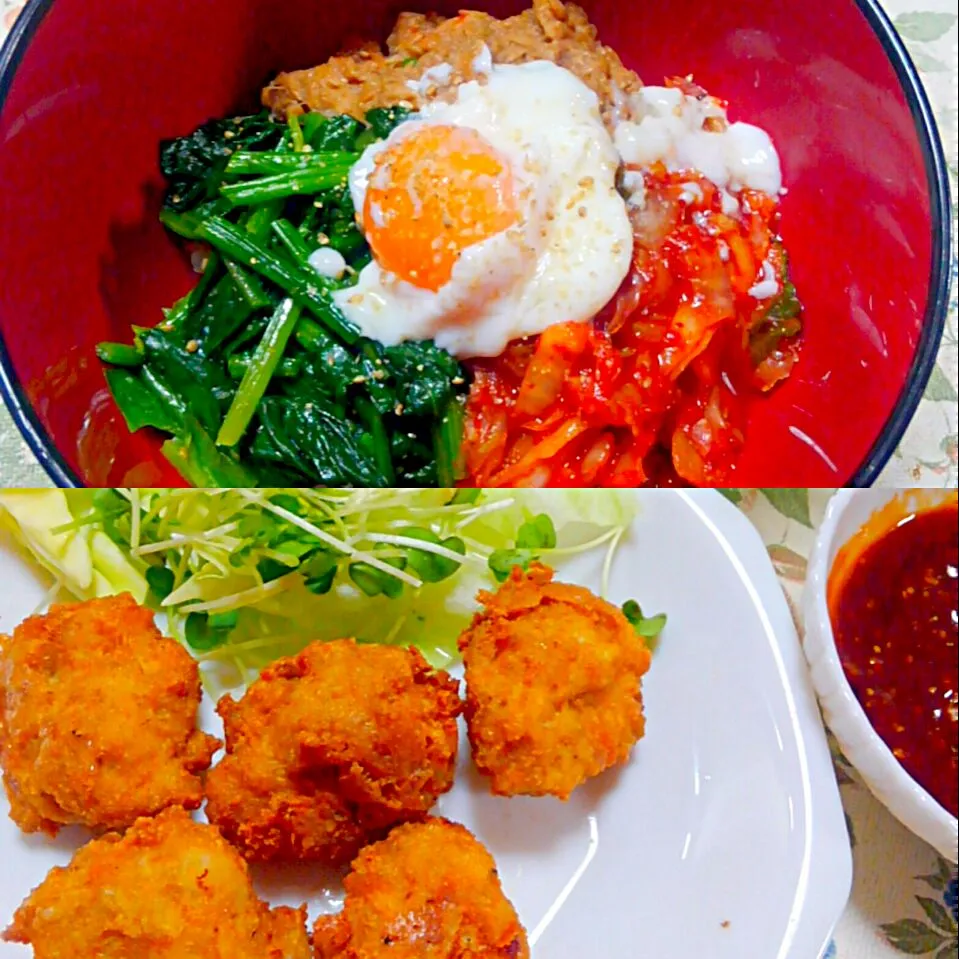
89	87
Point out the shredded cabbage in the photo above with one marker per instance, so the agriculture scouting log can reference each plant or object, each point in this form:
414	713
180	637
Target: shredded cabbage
244	576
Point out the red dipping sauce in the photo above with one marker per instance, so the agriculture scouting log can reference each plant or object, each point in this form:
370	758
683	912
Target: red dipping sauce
893	605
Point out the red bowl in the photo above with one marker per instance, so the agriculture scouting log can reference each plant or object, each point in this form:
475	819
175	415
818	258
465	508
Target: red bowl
89	87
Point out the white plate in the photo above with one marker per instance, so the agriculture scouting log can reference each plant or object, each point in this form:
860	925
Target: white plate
723	838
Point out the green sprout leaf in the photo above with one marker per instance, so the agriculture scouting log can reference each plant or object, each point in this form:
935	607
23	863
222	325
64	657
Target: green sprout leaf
537	533
649	627
225	620
161	581
502	562
428	566
321	583
202	634
374	582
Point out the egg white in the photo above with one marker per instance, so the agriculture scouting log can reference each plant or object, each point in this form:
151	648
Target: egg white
564	259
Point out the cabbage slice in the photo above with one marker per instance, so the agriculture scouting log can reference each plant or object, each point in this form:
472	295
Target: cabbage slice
245	576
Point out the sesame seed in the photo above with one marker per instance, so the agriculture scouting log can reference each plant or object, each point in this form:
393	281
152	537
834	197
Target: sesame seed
359	379
192	346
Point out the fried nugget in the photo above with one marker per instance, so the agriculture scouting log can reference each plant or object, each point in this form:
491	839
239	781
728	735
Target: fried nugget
330	748
98	718
553	685
170	888
428	891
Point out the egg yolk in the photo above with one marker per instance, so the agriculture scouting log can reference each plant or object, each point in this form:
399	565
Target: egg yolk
431	195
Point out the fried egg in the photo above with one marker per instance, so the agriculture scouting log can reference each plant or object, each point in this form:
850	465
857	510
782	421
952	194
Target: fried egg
491	215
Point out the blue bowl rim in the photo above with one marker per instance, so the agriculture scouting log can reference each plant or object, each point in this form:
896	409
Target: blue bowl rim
937	303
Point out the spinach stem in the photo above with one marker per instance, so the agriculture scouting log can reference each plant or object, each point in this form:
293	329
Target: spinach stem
119	354
266	164
174	317
296	133
381	441
289	367
294	183
183	224
290	237
447	444
258	220
211	269
310	292
249	286
266	357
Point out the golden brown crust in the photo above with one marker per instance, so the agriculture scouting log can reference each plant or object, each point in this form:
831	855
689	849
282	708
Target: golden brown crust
170	888
429	891
553	685
98	718
330	748
359	80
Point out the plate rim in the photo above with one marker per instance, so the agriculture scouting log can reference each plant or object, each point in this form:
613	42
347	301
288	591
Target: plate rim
829	864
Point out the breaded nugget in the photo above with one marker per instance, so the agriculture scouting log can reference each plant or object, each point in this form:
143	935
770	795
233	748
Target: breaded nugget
330	748
170	888
98	718
429	891
552	685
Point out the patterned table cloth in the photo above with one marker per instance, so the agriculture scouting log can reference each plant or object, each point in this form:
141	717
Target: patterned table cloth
904	895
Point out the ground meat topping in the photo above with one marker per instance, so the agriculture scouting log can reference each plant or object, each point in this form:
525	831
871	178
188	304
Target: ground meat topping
356	81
